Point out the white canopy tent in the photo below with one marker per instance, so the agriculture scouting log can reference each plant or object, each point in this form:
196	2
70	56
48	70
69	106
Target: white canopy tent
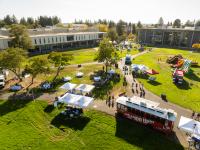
85	88
190	126
68	86
69	98
84	101
76	100
111	71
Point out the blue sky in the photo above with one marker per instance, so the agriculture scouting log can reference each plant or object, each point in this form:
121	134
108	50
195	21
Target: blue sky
147	11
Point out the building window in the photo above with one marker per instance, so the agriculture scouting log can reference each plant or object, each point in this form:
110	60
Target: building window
35	42
49	40
44	41
40	41
70	38
56	40
52	40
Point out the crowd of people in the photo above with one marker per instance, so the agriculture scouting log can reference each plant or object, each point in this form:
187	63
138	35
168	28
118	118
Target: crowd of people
138	88
110	102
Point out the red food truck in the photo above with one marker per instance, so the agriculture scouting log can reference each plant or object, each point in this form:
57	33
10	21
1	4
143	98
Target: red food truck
146	112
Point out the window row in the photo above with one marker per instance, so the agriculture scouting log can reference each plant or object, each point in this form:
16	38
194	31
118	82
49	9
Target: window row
60	39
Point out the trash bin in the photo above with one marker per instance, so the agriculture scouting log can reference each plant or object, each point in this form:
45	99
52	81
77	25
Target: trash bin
164	97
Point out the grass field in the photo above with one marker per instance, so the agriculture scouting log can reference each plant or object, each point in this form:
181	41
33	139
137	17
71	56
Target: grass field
33	125
186	95
88	55
80	56
123	53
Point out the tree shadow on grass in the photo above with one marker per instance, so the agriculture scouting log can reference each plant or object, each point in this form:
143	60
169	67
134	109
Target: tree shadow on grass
49	108
184	86
76	123
14	102
144	137
192	76
102	91
155	83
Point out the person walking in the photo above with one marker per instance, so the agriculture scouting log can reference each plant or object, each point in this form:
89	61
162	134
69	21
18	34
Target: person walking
140	93
113	103
144	93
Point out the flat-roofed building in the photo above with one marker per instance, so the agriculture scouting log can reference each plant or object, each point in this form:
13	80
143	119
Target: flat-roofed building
44	41
169	37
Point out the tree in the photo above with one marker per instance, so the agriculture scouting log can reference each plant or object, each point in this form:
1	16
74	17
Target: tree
7	20
2	24
59	60
177	23
131	37
14	19
103	28
189	23
105	52
111	24
30	21
23	21
20	38
55	20
37	66
139	24
133	29
160	21
12	59
197	24
196	46
112	34
120	27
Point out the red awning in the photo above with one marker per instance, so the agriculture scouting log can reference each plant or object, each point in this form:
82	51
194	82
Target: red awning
152	72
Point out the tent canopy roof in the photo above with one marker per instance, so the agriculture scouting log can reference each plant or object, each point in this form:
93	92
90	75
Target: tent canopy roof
85	88
68	86
189	125
76	100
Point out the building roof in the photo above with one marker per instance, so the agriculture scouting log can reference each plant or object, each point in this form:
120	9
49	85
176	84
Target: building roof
147	106
55	34
171	29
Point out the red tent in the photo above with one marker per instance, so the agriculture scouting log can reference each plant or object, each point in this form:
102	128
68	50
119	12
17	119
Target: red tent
152	72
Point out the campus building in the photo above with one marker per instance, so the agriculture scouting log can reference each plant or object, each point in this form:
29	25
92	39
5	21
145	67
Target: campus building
169	37
60	39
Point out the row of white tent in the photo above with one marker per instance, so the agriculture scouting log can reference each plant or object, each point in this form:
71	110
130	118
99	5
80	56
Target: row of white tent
190	126
75	100
83	88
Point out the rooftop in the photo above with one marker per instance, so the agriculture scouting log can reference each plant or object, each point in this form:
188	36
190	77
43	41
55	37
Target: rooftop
147	106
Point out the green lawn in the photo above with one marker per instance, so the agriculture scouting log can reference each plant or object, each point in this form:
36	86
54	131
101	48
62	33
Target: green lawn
123	53
80	56
33	125
186	95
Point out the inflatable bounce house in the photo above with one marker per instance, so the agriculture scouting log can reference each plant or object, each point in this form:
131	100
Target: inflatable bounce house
181	66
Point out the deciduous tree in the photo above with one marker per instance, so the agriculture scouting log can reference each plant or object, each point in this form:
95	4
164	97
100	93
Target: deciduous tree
105	52
12	59
112	34
177	23
59	60
37	66
20	37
